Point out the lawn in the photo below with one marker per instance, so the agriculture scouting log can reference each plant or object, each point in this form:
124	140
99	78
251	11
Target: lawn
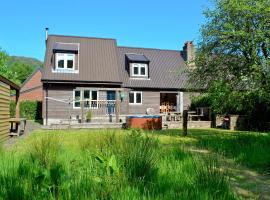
126	164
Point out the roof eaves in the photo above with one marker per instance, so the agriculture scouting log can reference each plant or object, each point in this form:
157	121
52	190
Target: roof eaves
10	83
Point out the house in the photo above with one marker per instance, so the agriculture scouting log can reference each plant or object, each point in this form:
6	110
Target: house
5	87
86	73
31	89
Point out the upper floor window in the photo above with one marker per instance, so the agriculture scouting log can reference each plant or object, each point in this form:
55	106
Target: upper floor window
139	69
65	61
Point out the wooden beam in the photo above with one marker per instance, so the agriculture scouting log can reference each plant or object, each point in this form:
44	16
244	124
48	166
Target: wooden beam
17	102
12	85
117	106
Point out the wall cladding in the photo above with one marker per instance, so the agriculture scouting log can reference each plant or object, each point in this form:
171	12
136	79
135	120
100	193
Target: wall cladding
4	110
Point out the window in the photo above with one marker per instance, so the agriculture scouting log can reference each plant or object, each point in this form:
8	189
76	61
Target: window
65	61
139	69
90	97
135	98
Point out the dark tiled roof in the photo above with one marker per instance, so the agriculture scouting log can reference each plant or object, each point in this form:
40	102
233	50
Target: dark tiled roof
136	57
97	60
165	69
101	61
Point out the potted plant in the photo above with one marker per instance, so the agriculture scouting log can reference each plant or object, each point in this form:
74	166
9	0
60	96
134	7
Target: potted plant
89	116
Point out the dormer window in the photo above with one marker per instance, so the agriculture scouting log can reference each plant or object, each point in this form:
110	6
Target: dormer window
65	58
139	69
65	61
137	66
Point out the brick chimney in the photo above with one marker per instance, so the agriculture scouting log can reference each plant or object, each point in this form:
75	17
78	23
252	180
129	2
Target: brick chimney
188	53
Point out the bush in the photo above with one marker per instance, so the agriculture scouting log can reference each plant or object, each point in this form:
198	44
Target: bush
31	110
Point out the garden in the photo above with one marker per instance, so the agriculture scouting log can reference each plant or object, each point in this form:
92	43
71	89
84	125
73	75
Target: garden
134	164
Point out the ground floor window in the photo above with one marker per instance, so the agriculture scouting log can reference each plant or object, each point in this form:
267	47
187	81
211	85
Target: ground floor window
90	98
135	97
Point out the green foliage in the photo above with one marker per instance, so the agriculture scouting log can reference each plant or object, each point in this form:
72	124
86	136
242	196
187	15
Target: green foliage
33	62
12	108
235	45
4	70
102	169
233	59
31	110
22	71
223	99
89	115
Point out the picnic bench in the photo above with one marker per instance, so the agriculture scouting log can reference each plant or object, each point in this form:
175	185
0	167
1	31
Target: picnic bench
17	126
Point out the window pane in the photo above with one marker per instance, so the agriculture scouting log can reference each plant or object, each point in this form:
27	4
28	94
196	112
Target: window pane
135	70
138	98
131	97
86	95
142	70
60	63
70	63
77	98
94	95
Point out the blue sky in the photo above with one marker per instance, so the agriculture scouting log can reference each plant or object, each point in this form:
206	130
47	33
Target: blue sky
149	23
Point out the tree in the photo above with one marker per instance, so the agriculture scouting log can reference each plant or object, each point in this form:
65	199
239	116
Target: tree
235	45
233	59
4	70
23	71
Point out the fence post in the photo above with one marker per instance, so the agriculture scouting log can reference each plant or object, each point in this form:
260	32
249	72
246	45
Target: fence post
185	122
82	111
117	106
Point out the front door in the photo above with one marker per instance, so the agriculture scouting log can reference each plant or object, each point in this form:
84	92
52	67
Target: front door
111	104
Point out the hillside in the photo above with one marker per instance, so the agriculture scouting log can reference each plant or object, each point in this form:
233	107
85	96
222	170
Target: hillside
22	67
24	60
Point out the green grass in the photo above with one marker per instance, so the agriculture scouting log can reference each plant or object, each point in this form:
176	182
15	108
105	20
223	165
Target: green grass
246	148
107	164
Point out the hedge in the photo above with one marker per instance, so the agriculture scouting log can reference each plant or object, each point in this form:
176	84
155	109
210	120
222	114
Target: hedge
31	110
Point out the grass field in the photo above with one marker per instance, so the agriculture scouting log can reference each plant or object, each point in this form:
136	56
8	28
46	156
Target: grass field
108	164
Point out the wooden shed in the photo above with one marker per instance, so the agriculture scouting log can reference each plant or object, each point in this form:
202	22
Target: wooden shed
5	87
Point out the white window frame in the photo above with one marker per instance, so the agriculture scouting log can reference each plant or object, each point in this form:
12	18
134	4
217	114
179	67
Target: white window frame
81	98
65	55
140	66
135	99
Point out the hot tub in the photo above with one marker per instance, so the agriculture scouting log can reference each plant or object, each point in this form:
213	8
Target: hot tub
147	122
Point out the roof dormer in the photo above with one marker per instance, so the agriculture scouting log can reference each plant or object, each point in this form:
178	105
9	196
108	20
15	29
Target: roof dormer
65	58
138	65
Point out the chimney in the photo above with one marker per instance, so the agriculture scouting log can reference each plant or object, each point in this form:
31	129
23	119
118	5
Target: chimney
188	53
46	34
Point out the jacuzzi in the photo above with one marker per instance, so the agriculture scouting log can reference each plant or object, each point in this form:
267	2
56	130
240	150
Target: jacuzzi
147	122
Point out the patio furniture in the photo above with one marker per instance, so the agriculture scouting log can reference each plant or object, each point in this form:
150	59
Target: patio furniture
17	126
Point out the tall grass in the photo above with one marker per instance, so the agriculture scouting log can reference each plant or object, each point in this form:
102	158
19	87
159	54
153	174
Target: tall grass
110	166
251	150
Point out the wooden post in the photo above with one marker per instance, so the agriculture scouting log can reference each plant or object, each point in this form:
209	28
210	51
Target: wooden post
185	122
117	106
82	111
17	115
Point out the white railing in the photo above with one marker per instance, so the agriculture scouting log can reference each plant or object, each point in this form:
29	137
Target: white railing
99	107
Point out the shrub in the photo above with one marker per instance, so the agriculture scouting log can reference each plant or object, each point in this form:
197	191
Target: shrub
31	110
89	115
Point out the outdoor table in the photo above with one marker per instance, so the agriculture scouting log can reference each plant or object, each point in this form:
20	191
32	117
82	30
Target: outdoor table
17	126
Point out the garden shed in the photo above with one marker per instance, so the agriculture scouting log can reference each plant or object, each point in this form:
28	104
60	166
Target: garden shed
5	87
